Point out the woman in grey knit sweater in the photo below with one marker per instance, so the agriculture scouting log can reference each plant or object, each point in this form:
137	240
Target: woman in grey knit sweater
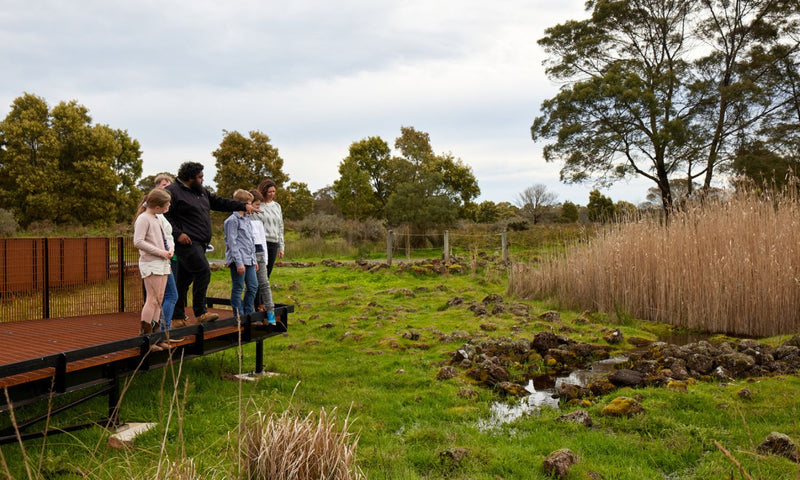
272	217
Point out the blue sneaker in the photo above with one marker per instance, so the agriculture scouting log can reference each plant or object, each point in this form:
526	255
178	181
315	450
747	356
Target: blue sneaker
271	318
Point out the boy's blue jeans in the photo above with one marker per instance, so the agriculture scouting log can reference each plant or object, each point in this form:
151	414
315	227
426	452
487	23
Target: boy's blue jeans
247	282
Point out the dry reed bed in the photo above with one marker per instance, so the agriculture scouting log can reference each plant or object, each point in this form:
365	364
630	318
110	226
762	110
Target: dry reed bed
731	267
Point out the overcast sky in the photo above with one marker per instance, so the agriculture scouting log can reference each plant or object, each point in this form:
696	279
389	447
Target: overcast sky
313	75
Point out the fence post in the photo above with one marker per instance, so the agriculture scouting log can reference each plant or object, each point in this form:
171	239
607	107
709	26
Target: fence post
389	247
121	271
447	247
408	242
504	243
46	279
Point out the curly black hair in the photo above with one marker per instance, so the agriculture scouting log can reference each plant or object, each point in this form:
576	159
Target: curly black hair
189	170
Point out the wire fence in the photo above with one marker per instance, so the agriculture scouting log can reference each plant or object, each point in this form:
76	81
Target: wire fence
505	245
65	277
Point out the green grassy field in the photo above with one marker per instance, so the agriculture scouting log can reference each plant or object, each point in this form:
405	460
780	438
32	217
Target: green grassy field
370	345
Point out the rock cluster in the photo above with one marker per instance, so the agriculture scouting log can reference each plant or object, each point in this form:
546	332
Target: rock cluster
489	362
503	364
661	363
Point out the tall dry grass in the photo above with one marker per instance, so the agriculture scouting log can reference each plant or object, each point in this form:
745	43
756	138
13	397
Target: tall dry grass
284	447
729	266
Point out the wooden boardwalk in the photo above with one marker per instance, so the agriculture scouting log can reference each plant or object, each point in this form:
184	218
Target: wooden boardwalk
42	357
32	339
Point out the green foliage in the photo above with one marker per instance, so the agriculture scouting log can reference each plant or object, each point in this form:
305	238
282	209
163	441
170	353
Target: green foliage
600	208
352	231
487	212
623	209
435	188
319	225
145	184
346	350
641	97
355	197
297	201
420	205
507	210
324	201
414	146
419	188
244	162
90	170
517	224
764	165
373	157
569	212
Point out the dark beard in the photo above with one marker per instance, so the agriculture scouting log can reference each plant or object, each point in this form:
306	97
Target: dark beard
197	187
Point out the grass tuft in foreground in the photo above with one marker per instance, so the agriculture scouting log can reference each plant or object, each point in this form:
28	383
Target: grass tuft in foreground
284	446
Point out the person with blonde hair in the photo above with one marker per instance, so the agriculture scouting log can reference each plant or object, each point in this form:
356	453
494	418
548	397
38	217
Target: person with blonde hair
154	259
163	180
240	256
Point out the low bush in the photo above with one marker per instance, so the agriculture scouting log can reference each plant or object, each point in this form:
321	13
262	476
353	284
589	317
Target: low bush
319	225
8	225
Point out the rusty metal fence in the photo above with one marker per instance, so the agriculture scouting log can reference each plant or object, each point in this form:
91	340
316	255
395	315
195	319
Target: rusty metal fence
66	277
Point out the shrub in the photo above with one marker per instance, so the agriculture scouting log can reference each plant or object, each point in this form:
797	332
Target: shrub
370	230
286	447
320	225
515	224
8	225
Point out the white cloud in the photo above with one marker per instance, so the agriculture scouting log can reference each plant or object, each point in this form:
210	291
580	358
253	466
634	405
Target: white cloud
313	75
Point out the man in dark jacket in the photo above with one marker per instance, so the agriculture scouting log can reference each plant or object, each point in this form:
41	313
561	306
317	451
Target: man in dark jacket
189	215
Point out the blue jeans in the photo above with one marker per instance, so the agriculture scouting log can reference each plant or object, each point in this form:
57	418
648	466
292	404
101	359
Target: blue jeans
249	283
168	304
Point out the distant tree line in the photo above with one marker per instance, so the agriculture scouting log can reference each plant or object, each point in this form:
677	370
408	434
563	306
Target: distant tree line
57	167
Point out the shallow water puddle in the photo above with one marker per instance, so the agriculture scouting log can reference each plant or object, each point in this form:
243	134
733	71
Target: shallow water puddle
541	394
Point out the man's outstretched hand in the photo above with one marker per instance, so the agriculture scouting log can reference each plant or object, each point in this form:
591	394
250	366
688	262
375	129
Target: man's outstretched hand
252	209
